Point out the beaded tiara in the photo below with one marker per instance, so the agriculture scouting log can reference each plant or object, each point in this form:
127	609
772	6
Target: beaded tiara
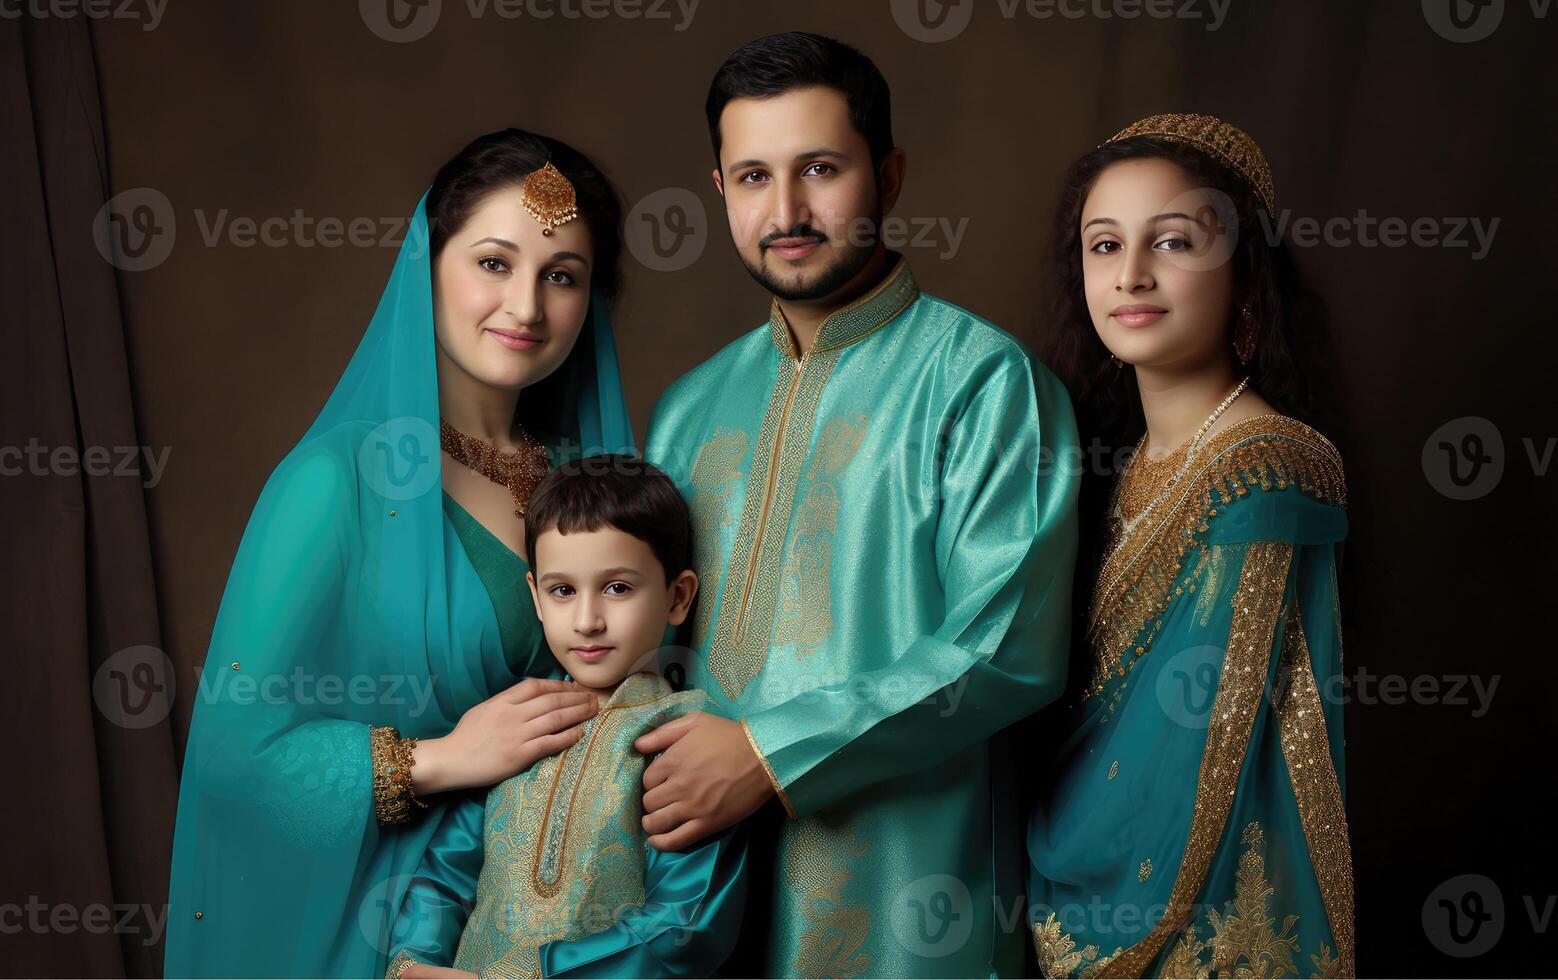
1227	144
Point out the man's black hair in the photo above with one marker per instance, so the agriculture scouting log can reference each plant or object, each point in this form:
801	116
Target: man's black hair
778	63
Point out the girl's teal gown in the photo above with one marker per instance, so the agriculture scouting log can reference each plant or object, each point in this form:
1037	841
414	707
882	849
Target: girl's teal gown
360	596
1193	825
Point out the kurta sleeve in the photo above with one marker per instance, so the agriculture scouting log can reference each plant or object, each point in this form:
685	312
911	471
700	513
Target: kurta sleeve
687	926
427	927
1005	546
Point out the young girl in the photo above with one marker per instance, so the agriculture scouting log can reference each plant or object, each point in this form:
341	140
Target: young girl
1196	825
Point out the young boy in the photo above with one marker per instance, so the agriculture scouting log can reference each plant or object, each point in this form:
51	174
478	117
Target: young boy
568	886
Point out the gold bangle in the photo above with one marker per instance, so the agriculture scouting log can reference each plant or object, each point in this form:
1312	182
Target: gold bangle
393	793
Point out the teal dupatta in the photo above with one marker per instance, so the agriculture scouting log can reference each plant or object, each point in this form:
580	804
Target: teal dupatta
351	603
1195	827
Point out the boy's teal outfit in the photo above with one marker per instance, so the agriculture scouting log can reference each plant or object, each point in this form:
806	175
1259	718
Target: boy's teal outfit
564	880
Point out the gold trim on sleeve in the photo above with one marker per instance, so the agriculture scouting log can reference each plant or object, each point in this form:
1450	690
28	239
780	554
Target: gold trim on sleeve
772	778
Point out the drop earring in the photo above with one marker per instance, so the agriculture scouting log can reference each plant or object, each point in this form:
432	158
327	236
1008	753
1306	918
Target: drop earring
1244	335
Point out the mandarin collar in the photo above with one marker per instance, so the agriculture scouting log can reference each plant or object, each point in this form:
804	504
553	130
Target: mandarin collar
850	324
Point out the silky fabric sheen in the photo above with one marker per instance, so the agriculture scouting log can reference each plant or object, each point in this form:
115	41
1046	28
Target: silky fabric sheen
350	603
886	533
1195	826
618	908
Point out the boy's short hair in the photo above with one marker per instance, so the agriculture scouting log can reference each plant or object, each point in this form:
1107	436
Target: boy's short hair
625	492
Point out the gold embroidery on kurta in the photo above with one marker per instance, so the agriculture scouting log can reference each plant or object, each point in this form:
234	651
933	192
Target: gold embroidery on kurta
558	805
745	621
817	863
805	599
1241	686
744	625
714	471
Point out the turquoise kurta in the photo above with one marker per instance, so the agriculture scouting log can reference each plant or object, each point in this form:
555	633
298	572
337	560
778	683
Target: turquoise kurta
564	883
886	533
1196	826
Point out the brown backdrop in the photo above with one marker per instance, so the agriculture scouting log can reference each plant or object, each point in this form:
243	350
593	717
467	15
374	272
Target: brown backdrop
265	110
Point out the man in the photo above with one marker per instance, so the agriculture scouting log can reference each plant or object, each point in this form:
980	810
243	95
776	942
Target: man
886	532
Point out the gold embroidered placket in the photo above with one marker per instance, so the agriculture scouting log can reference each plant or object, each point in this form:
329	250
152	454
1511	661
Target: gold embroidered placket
743	628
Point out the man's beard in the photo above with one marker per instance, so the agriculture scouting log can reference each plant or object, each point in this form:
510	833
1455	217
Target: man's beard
829	280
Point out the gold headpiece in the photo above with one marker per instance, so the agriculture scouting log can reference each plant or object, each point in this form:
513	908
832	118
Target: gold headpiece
549	197
1227	144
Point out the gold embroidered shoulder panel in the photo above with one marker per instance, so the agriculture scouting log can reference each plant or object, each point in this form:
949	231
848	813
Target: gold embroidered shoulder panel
1137	583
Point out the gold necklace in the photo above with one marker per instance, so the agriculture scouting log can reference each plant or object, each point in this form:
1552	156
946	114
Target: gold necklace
1142	475
518	472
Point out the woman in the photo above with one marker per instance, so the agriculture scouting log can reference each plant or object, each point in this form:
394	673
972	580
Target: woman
366	680
1195	827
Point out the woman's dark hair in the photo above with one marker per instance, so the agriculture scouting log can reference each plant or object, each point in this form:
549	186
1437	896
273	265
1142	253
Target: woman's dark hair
1293	344
505	159
1292	337
778	63
549	408
616	490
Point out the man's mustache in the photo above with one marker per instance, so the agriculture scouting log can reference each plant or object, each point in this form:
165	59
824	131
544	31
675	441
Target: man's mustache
799	231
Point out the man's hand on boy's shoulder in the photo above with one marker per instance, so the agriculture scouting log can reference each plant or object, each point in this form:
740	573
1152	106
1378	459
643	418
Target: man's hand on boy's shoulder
707	778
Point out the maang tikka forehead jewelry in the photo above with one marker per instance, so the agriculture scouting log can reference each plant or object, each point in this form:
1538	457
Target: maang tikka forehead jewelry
549	197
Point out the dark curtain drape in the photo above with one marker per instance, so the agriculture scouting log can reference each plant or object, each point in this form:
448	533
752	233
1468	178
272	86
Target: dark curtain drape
91	780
